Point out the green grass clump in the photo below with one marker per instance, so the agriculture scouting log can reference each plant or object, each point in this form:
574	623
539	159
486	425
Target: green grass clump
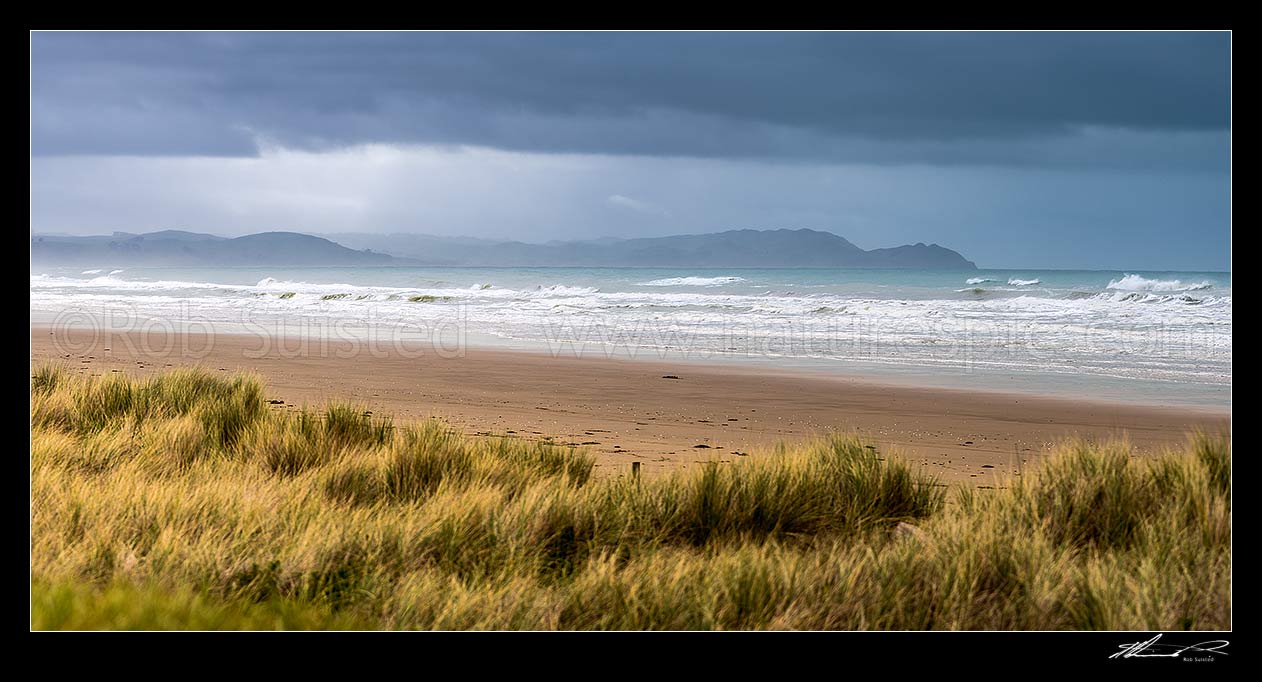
132	607
181	501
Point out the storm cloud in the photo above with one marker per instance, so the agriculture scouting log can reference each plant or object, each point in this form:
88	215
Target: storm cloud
1066	99
1069	149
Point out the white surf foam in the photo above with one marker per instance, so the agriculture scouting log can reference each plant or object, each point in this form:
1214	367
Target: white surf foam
565	290
1138	283
108	282
691	281
1022	282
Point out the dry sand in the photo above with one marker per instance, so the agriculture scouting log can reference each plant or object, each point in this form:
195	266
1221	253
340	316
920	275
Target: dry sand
626	411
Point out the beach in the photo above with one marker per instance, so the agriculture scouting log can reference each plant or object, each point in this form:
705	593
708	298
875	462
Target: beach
665	415
636	331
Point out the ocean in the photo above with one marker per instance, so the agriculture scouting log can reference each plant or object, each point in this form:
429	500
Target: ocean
1152	337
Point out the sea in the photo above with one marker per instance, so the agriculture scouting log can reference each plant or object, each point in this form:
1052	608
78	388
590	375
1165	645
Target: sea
1132	336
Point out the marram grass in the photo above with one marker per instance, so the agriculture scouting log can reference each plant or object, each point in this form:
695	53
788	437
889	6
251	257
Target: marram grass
184	501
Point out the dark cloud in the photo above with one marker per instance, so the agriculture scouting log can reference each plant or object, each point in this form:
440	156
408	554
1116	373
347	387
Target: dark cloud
1095	99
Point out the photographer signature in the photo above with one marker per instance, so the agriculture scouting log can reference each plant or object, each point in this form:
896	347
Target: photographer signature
1152	649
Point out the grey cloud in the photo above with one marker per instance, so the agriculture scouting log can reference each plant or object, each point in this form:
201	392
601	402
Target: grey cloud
998	217
1051	99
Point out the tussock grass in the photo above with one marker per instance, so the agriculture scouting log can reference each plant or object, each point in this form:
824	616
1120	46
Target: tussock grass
183	501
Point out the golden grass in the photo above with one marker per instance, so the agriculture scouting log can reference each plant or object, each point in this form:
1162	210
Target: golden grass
182	501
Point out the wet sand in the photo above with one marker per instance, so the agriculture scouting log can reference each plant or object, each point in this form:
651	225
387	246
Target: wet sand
664	415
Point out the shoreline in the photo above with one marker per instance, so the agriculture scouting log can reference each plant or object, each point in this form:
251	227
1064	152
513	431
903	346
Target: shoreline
627	410
1105	388
899	375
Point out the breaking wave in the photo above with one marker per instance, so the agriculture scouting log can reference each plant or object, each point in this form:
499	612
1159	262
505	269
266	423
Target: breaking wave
1138	283
565	290
692	281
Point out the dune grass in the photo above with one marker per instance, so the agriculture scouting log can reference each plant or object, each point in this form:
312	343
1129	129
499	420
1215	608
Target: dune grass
183	501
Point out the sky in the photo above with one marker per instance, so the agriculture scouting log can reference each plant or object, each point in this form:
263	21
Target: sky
1094	150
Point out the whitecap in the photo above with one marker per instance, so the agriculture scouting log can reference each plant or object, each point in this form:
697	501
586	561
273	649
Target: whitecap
565	290
1137	283
691	281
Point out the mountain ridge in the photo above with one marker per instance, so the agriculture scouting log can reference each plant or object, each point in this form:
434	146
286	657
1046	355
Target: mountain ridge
177	247
732	248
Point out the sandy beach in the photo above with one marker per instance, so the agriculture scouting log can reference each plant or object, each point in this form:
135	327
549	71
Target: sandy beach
664	415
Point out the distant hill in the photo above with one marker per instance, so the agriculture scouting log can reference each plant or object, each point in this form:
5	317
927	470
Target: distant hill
735	248
176	247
